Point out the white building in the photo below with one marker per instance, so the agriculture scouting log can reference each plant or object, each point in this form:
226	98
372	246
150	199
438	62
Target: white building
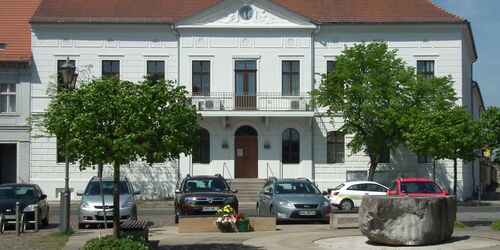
248	65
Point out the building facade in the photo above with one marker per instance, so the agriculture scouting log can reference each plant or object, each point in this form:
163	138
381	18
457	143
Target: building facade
248	66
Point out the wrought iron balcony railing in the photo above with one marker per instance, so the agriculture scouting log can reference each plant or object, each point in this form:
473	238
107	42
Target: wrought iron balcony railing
260	101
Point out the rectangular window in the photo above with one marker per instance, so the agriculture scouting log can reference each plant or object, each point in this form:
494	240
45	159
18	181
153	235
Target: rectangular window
385	155
8	98
425	68
110	68
330	66
156	69
356	176
201	78
290	78
335	147
424	159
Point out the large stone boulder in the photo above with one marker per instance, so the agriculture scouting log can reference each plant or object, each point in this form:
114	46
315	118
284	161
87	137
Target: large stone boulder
407	220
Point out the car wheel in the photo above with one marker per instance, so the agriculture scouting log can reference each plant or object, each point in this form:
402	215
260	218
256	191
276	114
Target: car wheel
81	226
176	218
346	205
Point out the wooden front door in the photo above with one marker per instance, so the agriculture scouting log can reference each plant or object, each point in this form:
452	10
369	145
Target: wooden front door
245	74
246	153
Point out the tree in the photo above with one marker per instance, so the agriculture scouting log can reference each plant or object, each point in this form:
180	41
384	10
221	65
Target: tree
445	134
375	93
490	126
108	121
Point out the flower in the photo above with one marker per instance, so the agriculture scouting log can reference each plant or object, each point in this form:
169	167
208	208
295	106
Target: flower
239	217
226	210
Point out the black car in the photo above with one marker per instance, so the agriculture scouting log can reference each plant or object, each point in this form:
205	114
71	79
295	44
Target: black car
203	194
28	195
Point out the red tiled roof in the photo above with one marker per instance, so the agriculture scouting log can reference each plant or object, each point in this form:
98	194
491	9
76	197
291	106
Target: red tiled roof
15	31
170	11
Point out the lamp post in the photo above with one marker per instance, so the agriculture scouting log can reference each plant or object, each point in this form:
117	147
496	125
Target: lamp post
68	83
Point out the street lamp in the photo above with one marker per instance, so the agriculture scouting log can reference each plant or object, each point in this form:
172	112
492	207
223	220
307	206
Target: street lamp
67	71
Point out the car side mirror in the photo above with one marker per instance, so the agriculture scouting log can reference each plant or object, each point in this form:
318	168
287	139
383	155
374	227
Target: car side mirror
177	191
325	193
137	192
43	196
268	193
391	192
446	193
234	190
79	193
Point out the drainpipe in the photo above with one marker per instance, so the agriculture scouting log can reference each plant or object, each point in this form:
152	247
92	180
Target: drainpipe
176	32
313	119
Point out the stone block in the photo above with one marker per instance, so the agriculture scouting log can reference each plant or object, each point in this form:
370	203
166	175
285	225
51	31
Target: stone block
343	220
407	220
207	224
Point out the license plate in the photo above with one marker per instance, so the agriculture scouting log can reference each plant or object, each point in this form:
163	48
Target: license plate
309	213
209	209
108	213
9	216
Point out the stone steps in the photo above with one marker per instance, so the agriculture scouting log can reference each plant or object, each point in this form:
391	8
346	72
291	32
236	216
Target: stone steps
248	188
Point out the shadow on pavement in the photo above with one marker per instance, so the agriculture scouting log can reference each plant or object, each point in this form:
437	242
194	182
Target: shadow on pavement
452	240
214	246
473	223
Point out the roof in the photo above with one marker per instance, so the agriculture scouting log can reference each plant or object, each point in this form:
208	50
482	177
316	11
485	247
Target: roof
18	185
170	11
414	180
15	31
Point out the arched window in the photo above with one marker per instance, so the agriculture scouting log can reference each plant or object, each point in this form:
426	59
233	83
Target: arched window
290	146
201	152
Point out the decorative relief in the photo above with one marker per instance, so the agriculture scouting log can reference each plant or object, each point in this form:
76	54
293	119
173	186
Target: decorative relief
111	43
291	42
246	42
261	17
425	43
201	42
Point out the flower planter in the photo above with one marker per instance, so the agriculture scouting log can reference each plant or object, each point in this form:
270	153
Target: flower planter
225	227
242	226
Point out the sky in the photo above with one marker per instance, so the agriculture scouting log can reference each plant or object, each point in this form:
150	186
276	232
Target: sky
484	16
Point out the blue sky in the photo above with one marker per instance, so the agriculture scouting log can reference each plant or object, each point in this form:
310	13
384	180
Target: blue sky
485	20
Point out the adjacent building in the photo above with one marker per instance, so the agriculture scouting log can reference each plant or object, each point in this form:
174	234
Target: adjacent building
248	66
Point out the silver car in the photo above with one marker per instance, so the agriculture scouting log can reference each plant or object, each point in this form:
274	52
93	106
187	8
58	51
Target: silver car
91	210
293	199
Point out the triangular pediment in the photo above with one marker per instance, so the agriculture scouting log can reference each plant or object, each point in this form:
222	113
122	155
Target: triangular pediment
246	14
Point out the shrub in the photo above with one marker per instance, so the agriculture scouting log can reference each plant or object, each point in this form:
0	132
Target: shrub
110	243
496	225
459	224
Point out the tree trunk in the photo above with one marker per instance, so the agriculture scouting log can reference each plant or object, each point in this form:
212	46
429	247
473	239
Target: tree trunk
373	166
455	176
116	200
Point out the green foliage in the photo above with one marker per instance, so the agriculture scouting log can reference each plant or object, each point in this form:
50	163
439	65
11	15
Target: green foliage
459	224
110	243
490	124
376	94
59	234
496	225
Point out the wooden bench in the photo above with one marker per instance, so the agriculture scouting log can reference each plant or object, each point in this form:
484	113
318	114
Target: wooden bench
344	219
136	228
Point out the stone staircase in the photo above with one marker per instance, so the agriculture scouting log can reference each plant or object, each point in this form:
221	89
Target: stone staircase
248	188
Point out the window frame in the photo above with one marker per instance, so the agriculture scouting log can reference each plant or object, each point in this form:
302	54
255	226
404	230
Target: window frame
201	152
290	156
112	74
334	62
201	74
425	73
290	74
425	159
154	74
336	144
9	95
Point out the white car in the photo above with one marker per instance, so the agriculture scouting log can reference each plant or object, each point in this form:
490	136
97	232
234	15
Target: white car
348	195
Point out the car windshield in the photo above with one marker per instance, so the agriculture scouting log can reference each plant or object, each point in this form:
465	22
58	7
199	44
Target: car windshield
339	186
296	188
17	192
420	187
107	187
205	185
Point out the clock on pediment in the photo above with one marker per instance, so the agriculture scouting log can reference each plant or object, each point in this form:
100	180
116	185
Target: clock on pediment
246	12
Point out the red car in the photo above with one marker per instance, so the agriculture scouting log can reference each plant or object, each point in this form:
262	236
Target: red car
415	187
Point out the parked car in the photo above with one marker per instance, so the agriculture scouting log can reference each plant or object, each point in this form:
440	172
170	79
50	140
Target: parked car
293	200
29	196
203	194
91	210
415	187
348	195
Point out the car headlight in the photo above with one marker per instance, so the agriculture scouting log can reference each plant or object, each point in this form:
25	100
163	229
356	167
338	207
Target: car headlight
325	204
229	200
29	208
190	200
84	205
286	204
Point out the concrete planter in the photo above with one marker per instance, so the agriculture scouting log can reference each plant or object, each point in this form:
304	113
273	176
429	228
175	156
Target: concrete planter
407	220
200	224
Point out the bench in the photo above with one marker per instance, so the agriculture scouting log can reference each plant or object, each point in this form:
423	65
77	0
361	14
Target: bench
138	229
344	219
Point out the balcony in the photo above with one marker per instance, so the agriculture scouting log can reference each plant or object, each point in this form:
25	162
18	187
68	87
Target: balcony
260	101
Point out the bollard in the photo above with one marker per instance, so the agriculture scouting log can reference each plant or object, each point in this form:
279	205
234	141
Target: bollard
2	223
37	217
18	229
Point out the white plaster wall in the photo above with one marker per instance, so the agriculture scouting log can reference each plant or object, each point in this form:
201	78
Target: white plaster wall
133	45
